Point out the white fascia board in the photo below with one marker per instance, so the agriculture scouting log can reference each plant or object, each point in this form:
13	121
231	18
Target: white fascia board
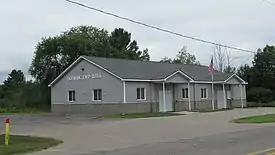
235	75
141	80
102	68
75	62
68	68
207	82
182	73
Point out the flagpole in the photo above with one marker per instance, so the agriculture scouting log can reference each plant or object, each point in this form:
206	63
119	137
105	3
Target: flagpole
213	103
211	71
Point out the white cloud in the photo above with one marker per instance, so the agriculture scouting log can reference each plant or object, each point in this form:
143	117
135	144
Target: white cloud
246	24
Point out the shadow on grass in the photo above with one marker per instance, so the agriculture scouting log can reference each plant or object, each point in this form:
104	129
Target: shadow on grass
19	144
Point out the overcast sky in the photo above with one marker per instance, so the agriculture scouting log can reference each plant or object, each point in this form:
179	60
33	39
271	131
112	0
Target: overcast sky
247	24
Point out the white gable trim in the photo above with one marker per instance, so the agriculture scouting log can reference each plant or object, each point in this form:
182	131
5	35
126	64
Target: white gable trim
74	63
207	82
103	68
182	73
59	76
141	80
235	75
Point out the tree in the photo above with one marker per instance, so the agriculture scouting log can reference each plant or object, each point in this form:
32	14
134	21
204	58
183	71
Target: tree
1	92
229	69
264	68
15	78
12	91
184	57
223	60
246	73
166	60
120	39
54	54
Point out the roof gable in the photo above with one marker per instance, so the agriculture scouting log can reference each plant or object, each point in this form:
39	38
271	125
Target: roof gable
133	70
74	64
235	79
141	70
178	76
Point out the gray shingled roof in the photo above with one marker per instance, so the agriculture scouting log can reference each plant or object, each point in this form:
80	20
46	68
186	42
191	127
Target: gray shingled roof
132	69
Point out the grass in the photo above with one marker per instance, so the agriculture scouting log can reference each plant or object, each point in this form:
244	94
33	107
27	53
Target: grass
20	111
142	115
269	118
211	110
25	144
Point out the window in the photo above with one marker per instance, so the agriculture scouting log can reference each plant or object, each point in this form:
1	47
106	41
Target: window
185	94
71	96
203	93
97	95
228	94
141	93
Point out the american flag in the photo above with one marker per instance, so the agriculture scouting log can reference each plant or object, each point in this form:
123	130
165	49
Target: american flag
211	69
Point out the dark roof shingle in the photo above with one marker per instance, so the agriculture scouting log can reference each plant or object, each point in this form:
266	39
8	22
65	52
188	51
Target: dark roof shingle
148	70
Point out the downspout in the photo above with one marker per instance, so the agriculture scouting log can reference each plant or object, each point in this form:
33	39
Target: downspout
174	102
194	93
151	104
164	97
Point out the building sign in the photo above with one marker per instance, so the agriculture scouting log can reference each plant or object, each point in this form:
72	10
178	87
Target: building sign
83	77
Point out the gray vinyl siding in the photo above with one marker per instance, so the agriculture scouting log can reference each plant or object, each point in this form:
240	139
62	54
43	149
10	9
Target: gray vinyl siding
112	87
159	87
177	78
236	92
131	91
244	91
233	81
198	88
178	92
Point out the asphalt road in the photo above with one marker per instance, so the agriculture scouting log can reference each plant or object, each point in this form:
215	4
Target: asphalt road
235	143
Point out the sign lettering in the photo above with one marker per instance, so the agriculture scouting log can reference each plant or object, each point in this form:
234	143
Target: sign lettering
84	77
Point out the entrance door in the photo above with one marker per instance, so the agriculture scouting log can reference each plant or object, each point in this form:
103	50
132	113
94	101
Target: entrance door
168	101
220	99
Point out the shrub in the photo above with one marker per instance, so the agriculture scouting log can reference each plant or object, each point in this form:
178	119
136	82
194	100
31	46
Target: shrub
260	95
255	104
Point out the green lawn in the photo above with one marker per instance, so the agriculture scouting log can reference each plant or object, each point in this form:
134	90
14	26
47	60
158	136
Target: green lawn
270	118
142	115
25	144
20	111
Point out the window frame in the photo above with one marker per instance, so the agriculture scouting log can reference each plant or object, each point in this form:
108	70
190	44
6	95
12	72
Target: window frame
140	94
101	97
202	93
73	96
184	94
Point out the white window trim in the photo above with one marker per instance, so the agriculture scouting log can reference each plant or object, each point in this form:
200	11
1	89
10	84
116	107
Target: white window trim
206	91
93	99
140	94
68	96
187	93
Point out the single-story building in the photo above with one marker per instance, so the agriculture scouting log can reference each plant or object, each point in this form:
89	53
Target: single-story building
106	86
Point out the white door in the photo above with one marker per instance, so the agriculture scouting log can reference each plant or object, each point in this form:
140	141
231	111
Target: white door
168	101
220	99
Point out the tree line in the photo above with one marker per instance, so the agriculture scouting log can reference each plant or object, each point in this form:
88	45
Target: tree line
53	55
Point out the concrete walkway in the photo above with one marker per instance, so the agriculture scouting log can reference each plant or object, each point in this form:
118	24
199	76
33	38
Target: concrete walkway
89	137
